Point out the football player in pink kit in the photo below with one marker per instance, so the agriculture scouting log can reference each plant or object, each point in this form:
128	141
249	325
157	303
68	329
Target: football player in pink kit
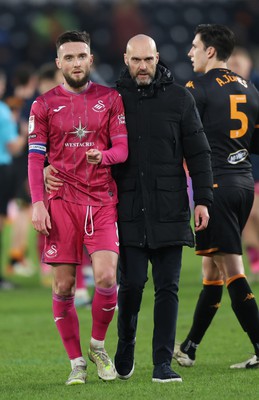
81	126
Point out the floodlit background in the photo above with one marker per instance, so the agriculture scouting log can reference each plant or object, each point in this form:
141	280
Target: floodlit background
28	29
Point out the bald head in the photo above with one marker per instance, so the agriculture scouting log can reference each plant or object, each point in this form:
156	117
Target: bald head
140	41
141	57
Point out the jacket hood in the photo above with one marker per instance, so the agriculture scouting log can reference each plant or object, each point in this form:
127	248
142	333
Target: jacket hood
162	77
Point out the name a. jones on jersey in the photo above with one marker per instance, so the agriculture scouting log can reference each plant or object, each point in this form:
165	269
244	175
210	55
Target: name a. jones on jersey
229	79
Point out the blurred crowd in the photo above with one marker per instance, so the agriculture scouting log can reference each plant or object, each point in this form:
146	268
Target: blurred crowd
28	29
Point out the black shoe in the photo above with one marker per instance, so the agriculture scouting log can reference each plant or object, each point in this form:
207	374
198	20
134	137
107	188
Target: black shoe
124	359
163	373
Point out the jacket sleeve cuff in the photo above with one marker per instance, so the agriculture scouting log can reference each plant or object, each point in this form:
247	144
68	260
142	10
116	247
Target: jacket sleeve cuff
203	202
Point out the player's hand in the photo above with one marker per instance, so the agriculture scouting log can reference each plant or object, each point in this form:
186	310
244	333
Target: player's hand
201	218
94	156
40	218
51	181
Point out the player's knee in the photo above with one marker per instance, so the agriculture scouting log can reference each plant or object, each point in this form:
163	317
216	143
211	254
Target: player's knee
213	275
106	279
65	287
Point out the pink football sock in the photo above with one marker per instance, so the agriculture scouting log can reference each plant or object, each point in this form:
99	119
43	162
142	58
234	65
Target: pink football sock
103	307
66	320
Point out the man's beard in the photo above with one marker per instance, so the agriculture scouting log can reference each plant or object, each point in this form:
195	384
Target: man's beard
144	83
76	84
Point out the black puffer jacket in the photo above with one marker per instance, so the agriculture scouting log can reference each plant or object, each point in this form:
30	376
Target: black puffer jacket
164	128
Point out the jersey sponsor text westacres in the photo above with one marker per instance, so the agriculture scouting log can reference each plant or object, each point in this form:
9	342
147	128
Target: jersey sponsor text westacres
79	144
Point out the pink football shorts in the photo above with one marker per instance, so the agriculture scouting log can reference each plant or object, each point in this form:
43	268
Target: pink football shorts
74	225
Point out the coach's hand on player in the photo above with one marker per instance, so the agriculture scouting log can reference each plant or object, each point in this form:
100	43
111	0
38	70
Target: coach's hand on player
201	218
40	218
51	181
94	156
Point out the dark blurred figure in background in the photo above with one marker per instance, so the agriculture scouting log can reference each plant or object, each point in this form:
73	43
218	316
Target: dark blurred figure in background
49	76
24	89
3	83
11	143
127	20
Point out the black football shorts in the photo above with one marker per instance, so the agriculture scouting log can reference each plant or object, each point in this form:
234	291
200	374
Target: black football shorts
228	215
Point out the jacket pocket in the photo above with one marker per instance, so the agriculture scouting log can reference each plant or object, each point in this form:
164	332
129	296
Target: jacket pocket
172	202
126	195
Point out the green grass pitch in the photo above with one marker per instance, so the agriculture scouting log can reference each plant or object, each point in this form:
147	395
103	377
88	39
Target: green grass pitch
34	366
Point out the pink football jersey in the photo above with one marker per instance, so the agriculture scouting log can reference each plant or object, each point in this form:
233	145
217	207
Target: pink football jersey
64	125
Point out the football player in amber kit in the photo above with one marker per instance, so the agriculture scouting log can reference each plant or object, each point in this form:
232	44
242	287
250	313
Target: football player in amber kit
229	109
81	126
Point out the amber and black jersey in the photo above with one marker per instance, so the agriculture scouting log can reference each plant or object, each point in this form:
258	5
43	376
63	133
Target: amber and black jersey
229	110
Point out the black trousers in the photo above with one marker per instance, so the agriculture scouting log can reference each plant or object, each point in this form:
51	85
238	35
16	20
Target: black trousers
166	266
